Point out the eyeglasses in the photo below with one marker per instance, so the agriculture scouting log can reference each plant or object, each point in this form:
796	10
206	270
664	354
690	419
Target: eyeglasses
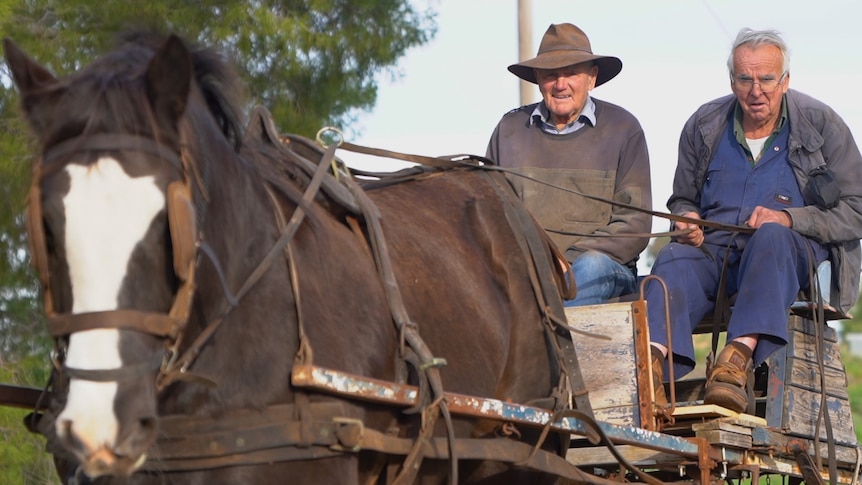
767	84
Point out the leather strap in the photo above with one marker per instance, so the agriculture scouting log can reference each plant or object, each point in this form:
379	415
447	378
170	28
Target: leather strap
251	437
474	161
533	244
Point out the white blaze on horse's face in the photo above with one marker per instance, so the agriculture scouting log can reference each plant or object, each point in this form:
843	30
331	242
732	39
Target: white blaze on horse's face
107	213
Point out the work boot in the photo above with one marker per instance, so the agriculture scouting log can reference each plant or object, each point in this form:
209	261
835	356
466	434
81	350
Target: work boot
658	377
727	380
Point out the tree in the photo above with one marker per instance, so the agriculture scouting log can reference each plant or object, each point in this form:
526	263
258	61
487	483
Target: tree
312	63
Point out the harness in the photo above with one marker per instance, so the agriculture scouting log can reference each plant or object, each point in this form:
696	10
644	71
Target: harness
308	430
181	216
302	430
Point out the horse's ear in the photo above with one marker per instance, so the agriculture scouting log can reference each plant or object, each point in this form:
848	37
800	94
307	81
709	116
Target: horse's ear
169	77
27	73
35	83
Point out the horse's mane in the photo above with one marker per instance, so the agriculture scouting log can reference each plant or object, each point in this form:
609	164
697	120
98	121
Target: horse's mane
106	87
218	82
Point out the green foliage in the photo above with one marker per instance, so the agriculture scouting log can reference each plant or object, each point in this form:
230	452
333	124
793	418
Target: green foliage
855	322
22	454
853	367
311	62
20	319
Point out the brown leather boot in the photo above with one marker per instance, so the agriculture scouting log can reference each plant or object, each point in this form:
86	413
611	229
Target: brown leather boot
727	381
657	377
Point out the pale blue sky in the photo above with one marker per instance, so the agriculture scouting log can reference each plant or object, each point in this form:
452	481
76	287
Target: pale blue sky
674	52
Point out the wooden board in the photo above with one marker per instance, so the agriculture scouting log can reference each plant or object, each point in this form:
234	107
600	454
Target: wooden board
801	409
708	411
805	348
806	375
725	438
725	425
607	360
794	390
598	456
804	325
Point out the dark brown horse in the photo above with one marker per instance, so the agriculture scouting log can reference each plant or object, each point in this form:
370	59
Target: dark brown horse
186	273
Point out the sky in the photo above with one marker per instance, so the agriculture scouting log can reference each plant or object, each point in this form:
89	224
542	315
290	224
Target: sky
455	89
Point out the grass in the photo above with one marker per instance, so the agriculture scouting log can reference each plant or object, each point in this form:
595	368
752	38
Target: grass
23	459
853	366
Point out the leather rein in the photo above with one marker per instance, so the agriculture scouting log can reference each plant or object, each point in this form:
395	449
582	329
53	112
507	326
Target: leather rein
470	160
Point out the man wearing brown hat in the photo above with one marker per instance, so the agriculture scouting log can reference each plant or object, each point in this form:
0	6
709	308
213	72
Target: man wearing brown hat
573	140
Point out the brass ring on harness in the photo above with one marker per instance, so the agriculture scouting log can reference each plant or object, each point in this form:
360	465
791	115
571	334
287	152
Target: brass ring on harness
339	141
319	137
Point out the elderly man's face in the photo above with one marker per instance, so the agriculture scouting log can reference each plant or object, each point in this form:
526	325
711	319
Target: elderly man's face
759	83
565	90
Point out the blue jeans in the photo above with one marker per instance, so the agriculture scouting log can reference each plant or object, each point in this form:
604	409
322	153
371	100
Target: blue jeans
600	278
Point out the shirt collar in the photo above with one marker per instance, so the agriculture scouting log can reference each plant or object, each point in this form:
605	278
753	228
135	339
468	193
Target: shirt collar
541	115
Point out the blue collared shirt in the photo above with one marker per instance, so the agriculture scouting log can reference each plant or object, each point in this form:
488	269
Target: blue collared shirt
541	115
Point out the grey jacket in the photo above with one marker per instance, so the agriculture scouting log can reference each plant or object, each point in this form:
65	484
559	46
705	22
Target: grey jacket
818	136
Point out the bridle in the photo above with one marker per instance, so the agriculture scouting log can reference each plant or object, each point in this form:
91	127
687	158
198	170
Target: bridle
187	243
182	221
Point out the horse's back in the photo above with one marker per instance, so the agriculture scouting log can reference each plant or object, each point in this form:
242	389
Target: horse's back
463	272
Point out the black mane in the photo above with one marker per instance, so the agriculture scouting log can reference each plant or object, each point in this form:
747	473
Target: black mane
109	94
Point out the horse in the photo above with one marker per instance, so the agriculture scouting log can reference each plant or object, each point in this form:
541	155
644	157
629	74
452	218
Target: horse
189	264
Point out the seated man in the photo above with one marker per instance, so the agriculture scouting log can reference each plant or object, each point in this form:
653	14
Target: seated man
760	157
575	141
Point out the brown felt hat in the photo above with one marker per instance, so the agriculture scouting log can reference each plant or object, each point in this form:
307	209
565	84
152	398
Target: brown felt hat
565	45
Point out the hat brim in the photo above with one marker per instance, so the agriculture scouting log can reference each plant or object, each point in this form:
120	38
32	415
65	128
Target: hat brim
609	66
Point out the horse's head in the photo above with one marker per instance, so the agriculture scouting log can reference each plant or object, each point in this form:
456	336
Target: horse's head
106	196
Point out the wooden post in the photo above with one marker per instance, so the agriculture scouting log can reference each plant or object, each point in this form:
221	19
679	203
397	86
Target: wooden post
525	46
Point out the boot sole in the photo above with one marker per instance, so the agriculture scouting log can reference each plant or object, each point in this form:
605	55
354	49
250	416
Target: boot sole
727	396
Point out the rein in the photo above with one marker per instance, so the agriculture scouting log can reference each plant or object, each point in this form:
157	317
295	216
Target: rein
176	369
303	430
487	164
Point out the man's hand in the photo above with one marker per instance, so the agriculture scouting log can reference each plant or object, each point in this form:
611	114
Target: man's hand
762	215
693	238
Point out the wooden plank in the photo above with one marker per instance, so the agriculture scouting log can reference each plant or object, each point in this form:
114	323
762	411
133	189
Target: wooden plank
607	360
793	396
768	438
601	456
801	408
746	420
778	373
804	347
806	375
721	424
725	438
713	411
807	326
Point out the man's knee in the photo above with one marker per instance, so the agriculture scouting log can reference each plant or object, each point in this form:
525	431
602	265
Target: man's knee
770	234
674	253
592	262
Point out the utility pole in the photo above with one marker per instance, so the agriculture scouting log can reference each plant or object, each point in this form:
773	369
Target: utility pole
525	46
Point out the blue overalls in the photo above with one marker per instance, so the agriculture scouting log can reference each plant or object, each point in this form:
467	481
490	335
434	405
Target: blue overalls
765	270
